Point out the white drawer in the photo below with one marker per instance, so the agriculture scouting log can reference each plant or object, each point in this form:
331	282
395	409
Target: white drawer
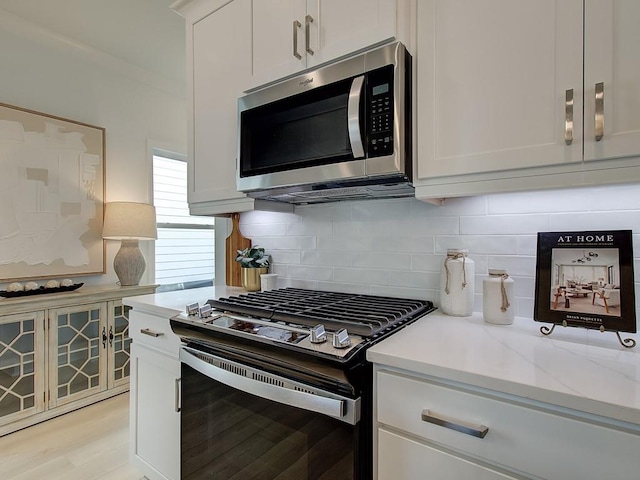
405	459
537	442
154	332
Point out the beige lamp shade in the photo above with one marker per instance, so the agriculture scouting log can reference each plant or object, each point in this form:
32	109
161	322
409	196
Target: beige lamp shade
128	221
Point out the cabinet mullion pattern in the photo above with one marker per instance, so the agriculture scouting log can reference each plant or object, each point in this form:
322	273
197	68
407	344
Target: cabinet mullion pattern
77	354
121	343
21	366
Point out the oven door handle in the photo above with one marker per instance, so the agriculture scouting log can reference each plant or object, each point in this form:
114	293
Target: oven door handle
353	117
333	407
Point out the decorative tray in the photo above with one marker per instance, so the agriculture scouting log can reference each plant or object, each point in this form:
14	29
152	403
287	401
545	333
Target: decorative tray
40	290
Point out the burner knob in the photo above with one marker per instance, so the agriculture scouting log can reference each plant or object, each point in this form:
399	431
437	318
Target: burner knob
318	335
341	339
205	311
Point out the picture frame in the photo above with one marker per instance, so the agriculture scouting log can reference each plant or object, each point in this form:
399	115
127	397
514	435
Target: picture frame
51	196
585	279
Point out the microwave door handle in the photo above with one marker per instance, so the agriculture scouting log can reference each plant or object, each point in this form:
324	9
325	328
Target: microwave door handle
353	115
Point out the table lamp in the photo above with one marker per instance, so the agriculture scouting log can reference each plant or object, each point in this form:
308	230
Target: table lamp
129	222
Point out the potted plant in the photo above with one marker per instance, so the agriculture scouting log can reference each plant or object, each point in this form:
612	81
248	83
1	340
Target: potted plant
254	262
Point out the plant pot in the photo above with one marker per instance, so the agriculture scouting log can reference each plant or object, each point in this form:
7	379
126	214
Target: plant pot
251	278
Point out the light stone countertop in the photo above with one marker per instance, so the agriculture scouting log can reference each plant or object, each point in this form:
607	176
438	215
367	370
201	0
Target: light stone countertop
168	304
573	368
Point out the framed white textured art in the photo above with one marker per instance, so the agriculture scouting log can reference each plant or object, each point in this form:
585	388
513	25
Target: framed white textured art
51	196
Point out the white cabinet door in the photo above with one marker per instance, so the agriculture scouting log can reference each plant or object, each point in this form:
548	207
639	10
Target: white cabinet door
292	35
491	83
78	352
22	366
221	68
403	459
278	39
154	413
119	344
340	28
611	57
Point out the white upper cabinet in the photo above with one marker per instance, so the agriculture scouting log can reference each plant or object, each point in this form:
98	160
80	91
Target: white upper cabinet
292	35
220	45
504	90
492	78
612	38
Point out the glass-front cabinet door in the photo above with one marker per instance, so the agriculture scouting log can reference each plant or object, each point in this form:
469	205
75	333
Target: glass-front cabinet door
78	345
21	365
119	344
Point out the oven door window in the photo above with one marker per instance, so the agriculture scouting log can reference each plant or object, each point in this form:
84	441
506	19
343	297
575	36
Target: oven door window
228	434
305	130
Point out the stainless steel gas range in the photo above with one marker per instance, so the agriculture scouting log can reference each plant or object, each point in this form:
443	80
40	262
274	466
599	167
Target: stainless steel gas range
276	385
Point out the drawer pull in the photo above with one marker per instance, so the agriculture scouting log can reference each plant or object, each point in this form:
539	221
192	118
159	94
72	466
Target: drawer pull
151	333
479	431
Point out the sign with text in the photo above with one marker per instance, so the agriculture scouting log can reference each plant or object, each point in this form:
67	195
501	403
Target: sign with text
585	279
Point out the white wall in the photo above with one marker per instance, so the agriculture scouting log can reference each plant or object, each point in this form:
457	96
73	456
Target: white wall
49	73
396	246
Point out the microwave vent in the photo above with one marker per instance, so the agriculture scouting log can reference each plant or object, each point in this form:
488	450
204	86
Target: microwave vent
325	193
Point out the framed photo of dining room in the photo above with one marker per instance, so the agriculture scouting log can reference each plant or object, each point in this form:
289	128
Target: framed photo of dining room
51	196
585	279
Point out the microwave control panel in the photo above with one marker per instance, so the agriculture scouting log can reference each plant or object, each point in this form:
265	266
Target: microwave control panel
380	112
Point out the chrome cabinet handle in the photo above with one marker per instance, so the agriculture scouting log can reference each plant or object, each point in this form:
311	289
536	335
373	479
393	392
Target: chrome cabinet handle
599	111
353	117
177	398
479	431
296	26
151	333
307	21
568	116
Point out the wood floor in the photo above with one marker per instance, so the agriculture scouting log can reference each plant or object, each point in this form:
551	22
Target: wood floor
88	444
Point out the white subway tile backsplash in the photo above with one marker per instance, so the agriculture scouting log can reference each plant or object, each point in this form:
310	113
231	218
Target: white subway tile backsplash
253	230
452	207
310	272
367	276
313	227
285	257
527	244
388	260
438	225
327	259
426	280
504	224
344	244
571	200
426	263
396	247
479	244
515	265
400	244
610	220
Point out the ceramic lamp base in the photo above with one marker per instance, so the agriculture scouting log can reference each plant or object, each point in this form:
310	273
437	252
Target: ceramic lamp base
129	263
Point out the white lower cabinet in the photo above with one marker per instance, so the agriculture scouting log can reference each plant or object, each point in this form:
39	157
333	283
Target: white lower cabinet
525	439
154	398
405	458
155	414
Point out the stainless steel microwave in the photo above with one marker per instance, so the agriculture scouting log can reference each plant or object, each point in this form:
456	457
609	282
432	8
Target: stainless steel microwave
340	132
